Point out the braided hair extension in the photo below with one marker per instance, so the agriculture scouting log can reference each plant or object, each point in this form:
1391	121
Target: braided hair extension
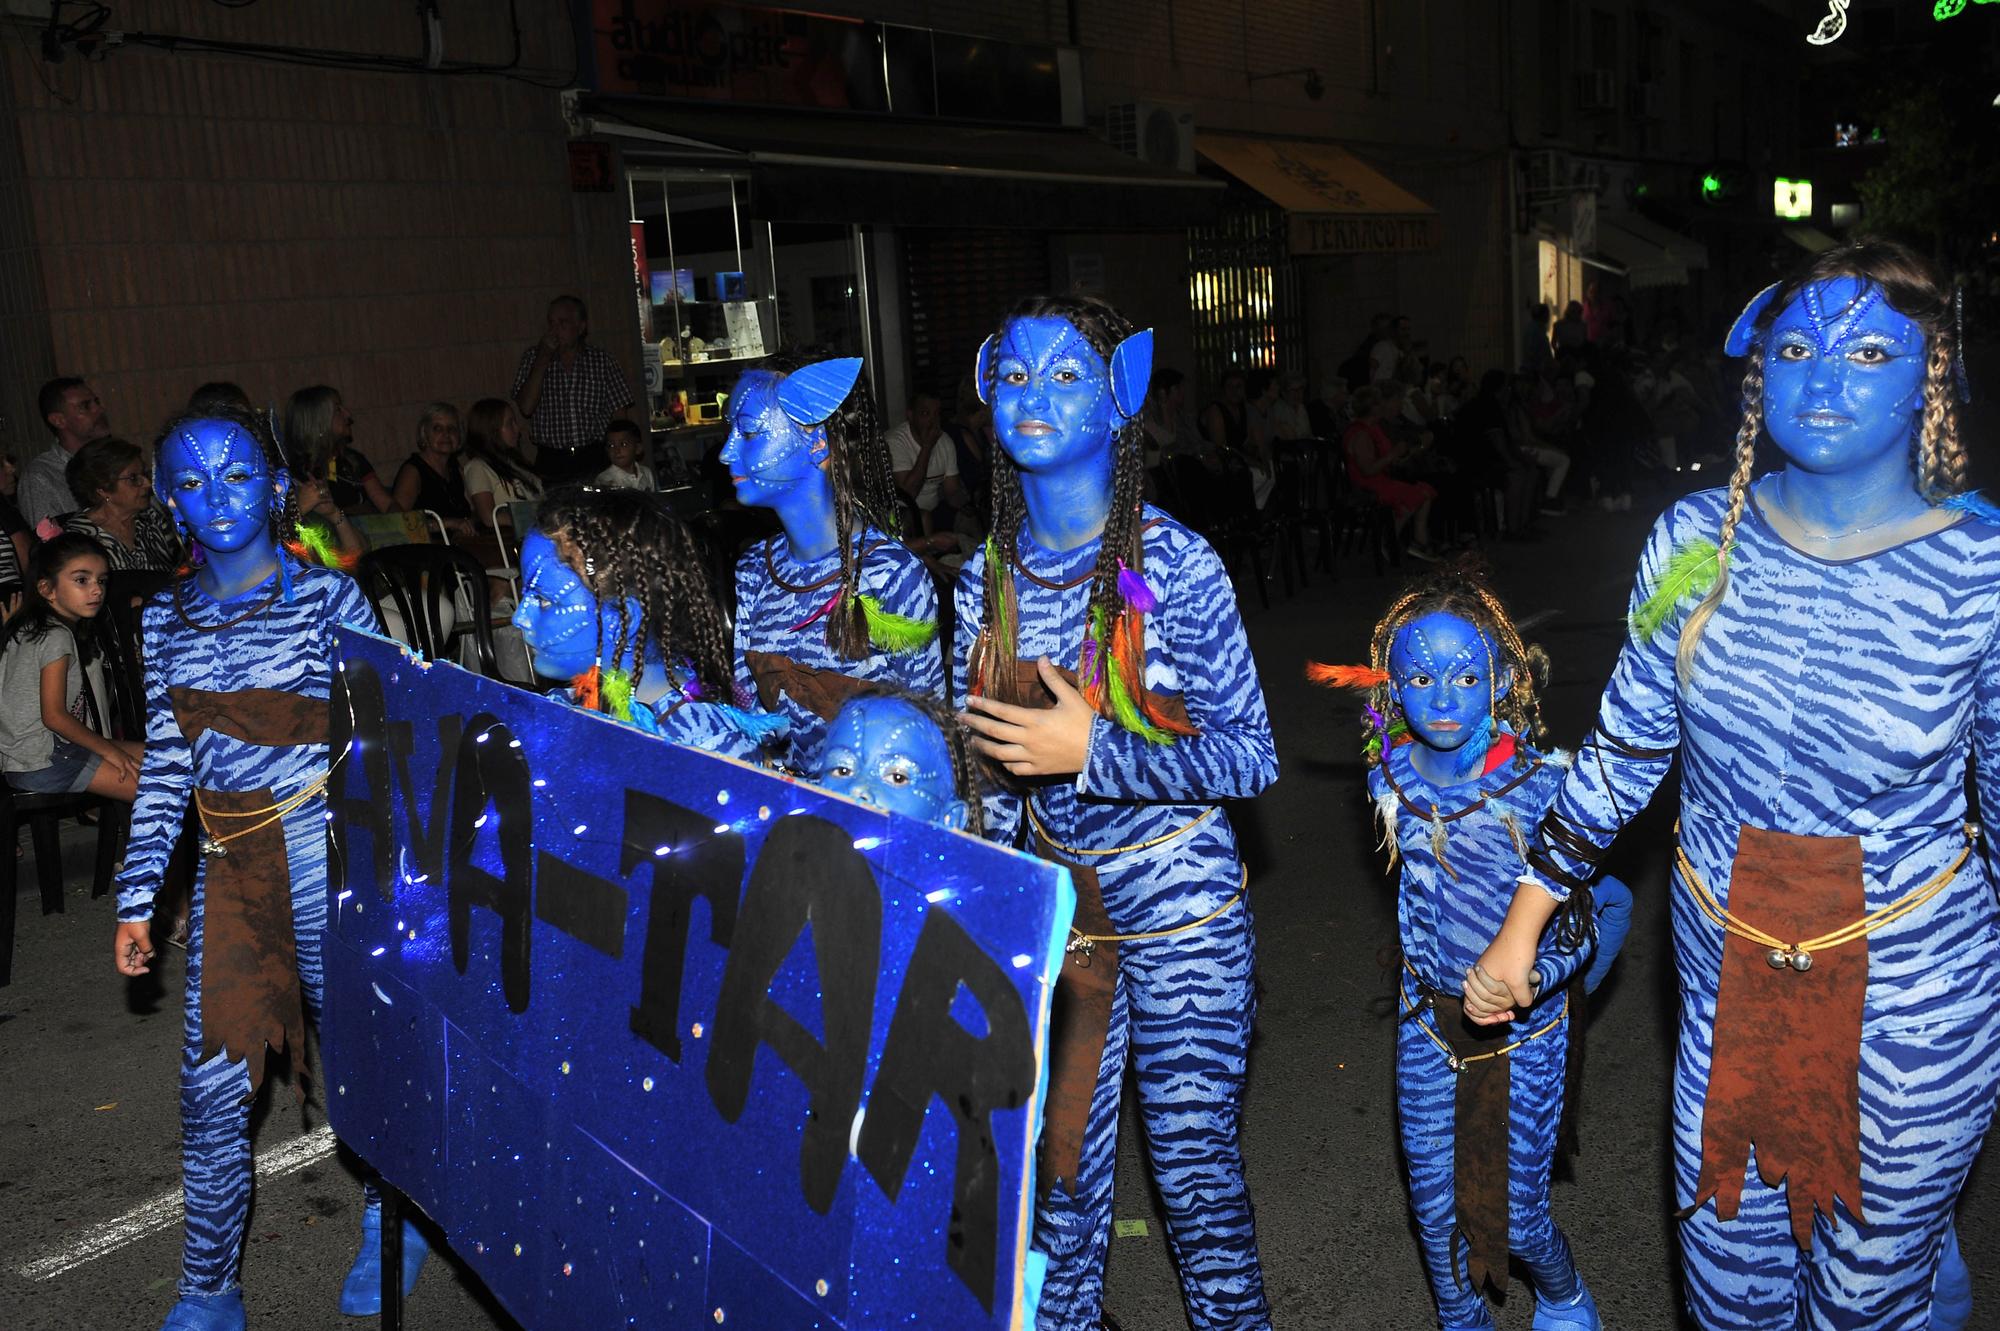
1941	459
285	513
628	544
971	777
1747	430
1112	667
1460	589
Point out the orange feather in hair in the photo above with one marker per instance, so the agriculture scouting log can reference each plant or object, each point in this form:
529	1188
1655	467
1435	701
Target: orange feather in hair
1345	676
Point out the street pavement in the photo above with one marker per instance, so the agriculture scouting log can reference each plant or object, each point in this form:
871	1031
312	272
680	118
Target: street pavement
89	1165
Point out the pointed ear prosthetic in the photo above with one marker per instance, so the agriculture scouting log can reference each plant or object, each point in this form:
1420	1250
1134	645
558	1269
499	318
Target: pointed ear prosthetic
814	392
1131	371
979	364
1743	333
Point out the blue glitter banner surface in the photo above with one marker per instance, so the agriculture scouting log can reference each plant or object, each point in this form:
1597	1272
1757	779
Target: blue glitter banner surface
661	1040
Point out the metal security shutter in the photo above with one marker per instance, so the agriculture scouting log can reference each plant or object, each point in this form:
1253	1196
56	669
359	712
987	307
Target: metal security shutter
956	285
1243	295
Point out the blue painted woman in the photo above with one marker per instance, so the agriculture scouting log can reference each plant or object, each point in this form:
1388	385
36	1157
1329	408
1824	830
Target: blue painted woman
1122	753
238	669
1821	648
834	600
615	600
1453	712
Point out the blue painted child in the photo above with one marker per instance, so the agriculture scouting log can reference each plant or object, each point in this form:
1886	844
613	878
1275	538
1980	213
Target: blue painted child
1452	713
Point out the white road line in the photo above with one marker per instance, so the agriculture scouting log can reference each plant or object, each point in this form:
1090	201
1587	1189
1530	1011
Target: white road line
165	1210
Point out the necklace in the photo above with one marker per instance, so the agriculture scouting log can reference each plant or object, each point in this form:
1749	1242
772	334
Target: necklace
180	608
1805	533
771	567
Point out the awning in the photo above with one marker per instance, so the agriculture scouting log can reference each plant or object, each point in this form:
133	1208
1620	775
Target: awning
1651	255
825	167
1809	238
1336	204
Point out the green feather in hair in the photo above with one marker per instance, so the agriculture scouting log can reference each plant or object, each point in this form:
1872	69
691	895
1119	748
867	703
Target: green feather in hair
894	633
616	693
1690	573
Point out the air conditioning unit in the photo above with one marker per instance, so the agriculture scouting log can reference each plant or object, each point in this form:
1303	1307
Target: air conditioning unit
1649	101
1597	90
1154	132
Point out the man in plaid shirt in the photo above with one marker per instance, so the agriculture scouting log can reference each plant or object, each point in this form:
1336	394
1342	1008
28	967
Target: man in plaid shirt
568	390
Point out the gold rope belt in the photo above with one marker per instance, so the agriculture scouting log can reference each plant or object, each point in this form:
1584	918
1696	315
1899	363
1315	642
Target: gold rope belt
1054	844
1799	955
1453	1061
213	843
1087	943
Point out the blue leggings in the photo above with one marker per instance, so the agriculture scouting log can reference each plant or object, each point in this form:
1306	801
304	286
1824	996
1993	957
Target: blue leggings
1426	1090
1183	1007
1927	1100
216	1174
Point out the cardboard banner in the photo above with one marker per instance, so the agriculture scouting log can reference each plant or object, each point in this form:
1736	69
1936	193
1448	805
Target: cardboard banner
665	1041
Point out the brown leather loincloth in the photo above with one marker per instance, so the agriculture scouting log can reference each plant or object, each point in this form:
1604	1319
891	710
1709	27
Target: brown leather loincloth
1481	1121
1785	1073
1079	1026
250	999
820	692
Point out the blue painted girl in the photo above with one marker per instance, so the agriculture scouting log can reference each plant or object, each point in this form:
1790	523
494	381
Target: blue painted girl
905	753
1122	756
834	600
615	600
238	673
1453	711
1819	648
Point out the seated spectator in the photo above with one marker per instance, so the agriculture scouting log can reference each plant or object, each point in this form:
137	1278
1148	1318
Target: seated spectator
74	415
111	480
622	444
14	549
1571	335
1370	454
1328	413
1531	431
924	460
430	479
52	696
319	443
975	443
496	474
1289	418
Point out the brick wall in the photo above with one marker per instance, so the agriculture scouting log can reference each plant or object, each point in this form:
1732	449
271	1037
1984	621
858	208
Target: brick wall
396	234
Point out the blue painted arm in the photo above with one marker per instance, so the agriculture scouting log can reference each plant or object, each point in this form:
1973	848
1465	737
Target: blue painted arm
166	777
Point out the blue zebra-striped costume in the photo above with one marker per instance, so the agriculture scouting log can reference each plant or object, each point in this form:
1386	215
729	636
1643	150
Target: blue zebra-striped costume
766	612
1184	1004
287	647
710	727
1445	920
1829	698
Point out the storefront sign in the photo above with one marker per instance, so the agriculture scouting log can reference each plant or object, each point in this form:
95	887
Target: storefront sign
774	57
1318	233
665	1041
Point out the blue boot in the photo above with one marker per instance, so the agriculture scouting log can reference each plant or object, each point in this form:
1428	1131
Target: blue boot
1579	1314
1951	1287
361	1292
207	1312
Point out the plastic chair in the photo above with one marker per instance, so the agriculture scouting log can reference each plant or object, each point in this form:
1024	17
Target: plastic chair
418	582
43	814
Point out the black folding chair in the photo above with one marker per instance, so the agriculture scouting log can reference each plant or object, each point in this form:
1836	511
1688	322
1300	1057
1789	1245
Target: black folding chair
416	581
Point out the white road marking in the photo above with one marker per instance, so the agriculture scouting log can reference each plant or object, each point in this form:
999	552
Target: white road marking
165	1210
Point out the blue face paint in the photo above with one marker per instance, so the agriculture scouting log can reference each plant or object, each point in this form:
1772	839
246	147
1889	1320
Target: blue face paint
776	463
1844	385
559	620
557	615
1054	414
215	477
884	752
1442	676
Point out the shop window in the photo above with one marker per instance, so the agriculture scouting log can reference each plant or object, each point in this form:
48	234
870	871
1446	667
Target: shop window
1243	296
956	286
